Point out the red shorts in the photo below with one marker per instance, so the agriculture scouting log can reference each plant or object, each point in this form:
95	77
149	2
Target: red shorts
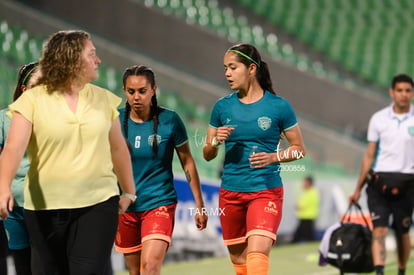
134	228
251	213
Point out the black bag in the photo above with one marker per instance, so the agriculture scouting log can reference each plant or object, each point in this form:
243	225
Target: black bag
350	245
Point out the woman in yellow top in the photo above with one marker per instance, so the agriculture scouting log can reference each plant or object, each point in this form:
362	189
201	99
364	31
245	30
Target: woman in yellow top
75	147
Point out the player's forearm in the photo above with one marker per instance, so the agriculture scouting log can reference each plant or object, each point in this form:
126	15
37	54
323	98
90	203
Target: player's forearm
9	163
292	153
193	180
366	165
209	151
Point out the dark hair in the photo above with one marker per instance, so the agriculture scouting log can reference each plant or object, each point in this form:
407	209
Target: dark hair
142	70
401	78
23	76
309	179
61	60
248	54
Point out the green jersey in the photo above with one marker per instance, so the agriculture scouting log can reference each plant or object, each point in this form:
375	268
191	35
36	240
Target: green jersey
257	124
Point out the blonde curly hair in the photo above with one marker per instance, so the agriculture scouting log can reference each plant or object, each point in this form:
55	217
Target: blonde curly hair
61	60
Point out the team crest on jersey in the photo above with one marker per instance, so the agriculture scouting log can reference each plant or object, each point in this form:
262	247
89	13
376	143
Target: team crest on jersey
411	130
151	139
264	122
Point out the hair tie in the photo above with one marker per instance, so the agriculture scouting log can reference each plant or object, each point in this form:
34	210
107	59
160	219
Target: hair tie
27	75
246	56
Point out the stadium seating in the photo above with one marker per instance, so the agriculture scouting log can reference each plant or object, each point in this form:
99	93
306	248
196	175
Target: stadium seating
224	22
369	38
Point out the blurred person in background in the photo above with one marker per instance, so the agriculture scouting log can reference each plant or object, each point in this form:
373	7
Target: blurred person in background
388	169
76	151
307	210
18	237
251	193
153	133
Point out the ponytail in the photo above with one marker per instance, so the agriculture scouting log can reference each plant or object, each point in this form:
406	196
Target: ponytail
155	110
248	54
125	125
263	77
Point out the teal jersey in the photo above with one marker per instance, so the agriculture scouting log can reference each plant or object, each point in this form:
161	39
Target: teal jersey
18	181
259	123
153	176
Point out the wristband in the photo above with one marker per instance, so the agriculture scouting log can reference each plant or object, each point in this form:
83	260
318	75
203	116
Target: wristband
132	197
215	142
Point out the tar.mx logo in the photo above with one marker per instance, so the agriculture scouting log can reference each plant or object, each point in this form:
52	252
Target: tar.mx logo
217	211
288	153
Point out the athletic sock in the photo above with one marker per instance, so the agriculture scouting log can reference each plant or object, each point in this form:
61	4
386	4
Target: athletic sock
257	263
379	270
240	269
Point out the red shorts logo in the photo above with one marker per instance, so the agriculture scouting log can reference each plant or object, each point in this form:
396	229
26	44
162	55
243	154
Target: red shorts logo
162	212
271	208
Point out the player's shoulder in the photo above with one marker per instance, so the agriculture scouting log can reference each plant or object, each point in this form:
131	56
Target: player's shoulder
227	98
276	100
382	113
167	114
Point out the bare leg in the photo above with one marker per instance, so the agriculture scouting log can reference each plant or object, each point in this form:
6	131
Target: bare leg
378	245
258	250
133	262
238	253
403	249
153	252
258	243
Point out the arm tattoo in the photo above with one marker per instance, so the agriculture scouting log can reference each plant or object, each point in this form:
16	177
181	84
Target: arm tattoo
188	176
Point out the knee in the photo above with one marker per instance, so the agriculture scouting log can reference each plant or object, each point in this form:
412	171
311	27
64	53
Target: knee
134	270
152	265
379	231
238	259
238	253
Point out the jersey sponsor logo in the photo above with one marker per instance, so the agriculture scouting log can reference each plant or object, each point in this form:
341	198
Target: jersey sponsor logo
162	212
264	122
151	139
411	130
271	208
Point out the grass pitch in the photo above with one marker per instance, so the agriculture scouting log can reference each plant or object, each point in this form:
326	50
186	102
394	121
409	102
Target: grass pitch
297	259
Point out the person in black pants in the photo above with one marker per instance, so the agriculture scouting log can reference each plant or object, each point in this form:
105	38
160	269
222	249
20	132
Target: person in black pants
79	161
389	162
